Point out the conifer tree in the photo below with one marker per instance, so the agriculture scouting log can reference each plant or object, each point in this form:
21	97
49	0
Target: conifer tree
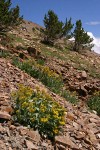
9	17
81	37
67	28
53	27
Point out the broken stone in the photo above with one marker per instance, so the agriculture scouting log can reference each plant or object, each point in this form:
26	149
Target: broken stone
5	115
92	137
34	135
93	120
80	135
65	141
84	74
76	126
2	145
12	127
98	136
30	145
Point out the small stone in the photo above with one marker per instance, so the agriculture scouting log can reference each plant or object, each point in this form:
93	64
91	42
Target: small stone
93	120
2	145
5	115
30	145
98	136
80	135
34	135
76	125
45	144
70	116
23	131
8	109
84	74
65	141
10	148
92	137
12	127
95	112
98	146
2	129
61	147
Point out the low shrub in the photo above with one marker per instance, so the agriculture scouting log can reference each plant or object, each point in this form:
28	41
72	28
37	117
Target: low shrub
43	73
48	77
94	102
71	97
38	110
4	54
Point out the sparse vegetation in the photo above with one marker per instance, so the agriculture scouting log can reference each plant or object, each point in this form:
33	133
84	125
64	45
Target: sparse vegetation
48	77
82	39
39	110
4	54
43	73
55	29
94	102
70	96
9	17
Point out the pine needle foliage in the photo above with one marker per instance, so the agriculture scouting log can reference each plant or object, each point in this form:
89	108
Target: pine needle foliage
9	17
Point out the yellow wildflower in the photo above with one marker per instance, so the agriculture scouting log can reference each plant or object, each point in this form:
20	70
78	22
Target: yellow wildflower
61	122
44	120
25	104
55	131
31	110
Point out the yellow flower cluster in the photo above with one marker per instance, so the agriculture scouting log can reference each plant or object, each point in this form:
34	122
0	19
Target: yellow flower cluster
44	69
96	93
44	120
39	110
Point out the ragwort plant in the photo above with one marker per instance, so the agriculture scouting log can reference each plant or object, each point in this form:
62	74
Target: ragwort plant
43	73
94	102
38	110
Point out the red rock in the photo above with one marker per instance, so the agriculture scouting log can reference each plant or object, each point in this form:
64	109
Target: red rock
8	109
66	141
30	145
12	127
76	125
93	120
84	74
80	135
10	148
2	145
34	135
5	115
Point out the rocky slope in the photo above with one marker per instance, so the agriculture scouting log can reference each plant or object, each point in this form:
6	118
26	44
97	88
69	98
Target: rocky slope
80	73
82	129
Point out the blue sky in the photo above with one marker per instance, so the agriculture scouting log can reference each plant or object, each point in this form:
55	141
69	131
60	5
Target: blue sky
86	10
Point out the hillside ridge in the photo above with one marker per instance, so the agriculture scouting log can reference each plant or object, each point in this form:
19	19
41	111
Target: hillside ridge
79	74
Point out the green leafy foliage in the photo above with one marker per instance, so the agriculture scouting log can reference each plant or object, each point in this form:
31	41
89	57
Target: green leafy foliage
71	97
53	26
9	17
4	54
38	109
55	29
81	37
67	28
43	73
48	77
94	102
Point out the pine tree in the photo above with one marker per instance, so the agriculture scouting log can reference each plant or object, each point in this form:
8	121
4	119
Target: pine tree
53	27
9	17
81	37
67	28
